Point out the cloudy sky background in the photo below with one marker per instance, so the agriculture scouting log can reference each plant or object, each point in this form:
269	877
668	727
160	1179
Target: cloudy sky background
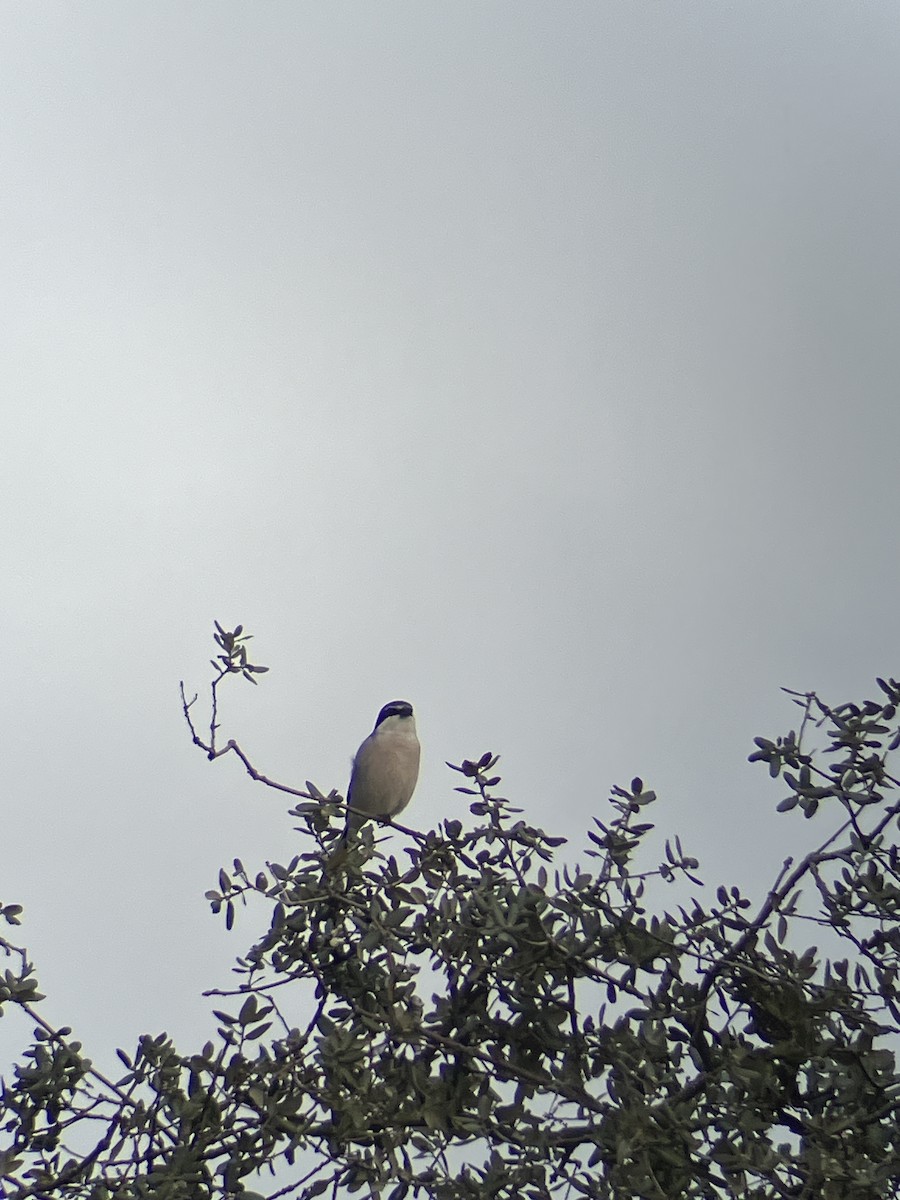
535	362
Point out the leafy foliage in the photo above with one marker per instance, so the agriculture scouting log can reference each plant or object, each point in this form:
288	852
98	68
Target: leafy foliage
480	1021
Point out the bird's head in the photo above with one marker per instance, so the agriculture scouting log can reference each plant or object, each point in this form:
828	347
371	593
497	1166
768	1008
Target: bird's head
395	713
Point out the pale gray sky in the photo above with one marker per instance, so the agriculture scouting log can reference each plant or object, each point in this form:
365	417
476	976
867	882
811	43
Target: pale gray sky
536	362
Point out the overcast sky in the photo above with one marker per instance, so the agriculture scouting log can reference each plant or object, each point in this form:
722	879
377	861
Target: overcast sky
535	362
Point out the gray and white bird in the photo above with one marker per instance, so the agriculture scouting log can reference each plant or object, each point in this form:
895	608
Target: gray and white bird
385	771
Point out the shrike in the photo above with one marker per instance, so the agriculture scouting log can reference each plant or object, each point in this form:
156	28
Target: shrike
385	770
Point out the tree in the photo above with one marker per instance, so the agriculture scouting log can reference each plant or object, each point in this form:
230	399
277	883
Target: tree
482	1022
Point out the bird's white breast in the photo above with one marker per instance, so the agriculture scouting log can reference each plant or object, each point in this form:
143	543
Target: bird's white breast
386	768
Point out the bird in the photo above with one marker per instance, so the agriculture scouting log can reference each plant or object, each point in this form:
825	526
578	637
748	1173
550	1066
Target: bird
385	772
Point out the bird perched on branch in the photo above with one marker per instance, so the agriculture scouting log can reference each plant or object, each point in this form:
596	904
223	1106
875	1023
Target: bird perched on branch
385	770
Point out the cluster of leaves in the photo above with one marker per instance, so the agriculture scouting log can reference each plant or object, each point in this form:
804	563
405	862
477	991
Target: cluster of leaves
480	1022
233	660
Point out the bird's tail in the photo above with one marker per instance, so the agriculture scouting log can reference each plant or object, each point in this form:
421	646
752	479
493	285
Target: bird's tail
335	861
